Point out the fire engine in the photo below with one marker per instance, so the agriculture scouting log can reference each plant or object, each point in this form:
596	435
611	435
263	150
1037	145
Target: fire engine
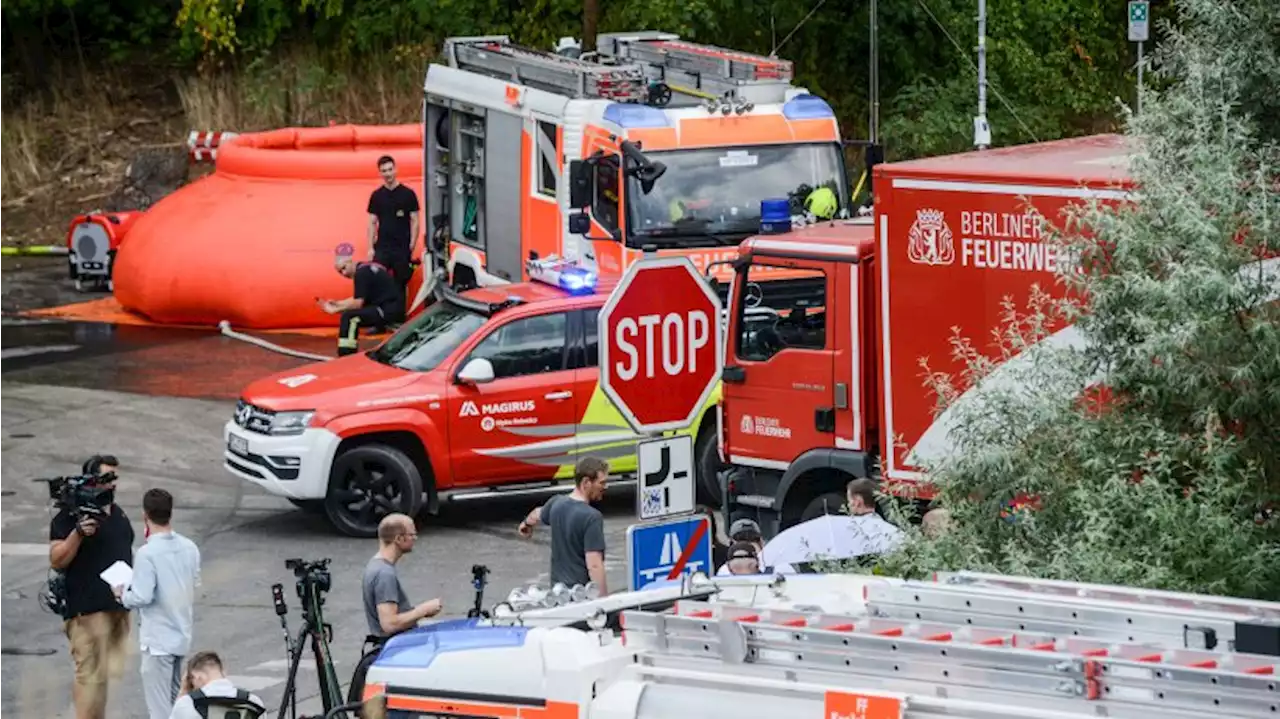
823	378
845	646
490	392
650	141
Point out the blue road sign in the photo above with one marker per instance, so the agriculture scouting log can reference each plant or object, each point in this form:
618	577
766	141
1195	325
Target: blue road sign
654	550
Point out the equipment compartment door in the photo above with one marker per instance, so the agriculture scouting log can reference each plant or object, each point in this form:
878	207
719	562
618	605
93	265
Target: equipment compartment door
779	378
502	200
520	425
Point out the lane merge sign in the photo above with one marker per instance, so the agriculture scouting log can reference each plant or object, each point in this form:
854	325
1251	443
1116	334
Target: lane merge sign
665	485
660	344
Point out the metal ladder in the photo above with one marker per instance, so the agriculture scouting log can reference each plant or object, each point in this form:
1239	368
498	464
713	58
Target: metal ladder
710	69
960	648
668	51
496	56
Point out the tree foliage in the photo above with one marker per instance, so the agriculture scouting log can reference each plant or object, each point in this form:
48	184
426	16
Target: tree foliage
1170	476
1056	67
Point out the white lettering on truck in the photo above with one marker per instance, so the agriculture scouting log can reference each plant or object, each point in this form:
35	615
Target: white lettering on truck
682	334
988	241
469	408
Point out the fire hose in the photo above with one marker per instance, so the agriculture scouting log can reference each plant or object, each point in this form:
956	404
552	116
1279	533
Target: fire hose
225	327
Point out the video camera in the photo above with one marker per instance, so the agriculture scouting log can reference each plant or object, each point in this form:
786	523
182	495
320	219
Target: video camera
82	495
311	574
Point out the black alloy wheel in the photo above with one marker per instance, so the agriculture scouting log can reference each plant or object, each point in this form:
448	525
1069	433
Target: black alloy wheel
369	482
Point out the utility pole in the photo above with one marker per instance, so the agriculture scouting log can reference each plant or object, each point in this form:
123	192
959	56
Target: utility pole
982	130
874	121
590	21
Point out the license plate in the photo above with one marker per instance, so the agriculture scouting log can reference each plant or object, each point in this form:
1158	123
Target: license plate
238	444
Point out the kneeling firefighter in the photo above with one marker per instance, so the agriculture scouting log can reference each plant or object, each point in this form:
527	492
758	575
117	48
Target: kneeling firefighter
375	302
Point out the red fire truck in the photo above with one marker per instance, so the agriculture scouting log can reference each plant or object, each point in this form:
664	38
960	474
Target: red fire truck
818	395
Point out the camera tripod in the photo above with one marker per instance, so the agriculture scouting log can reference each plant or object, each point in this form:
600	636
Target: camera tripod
479	574
313	580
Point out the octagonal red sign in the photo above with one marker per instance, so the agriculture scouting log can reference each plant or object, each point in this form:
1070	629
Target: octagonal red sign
660	344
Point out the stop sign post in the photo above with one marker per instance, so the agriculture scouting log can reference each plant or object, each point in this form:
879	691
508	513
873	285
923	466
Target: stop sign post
660	344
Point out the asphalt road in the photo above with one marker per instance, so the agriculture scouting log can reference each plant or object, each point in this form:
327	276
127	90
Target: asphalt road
157	399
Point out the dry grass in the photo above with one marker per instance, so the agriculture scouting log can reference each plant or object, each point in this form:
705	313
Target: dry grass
300	89
65	154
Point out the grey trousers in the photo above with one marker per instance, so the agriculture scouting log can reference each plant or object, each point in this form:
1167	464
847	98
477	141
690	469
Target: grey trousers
161	679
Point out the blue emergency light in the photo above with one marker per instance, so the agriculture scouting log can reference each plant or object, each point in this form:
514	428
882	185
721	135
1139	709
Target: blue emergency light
563	274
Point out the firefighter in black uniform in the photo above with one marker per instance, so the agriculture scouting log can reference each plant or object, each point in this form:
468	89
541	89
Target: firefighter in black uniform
375	302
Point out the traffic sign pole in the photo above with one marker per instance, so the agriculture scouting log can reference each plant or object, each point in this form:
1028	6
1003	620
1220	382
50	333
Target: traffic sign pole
1139	32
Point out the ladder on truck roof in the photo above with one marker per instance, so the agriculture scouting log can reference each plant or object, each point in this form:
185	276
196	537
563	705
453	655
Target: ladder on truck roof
496	56
980	646
709	70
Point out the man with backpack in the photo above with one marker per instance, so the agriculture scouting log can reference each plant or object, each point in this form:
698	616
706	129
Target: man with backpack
208	694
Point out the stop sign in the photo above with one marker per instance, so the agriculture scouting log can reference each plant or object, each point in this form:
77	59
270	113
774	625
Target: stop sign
660	346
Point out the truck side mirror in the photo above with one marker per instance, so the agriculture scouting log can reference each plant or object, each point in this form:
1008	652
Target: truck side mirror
581	183
579	223
477	371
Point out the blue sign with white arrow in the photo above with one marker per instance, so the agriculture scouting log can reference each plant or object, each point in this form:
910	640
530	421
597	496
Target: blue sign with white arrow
662	549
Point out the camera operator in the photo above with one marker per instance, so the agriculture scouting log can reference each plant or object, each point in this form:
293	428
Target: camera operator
83	545
386	606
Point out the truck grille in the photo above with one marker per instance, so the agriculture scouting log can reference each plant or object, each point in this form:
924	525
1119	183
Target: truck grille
254	419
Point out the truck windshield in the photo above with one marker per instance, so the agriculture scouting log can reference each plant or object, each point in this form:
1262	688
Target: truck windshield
427	340
712	196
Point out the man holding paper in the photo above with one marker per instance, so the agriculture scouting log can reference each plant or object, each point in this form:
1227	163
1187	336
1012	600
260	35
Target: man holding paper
97	626
163	590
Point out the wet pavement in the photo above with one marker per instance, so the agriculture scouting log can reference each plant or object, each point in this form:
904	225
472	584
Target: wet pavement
144	360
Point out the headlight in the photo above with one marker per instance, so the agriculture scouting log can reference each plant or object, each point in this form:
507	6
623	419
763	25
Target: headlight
291	422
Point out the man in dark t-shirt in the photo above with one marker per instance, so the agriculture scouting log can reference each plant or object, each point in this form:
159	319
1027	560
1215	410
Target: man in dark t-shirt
375	301
393	224
577	528
97	626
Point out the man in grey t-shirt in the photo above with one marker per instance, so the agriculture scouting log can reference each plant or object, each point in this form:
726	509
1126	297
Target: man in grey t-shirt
577	528
386	606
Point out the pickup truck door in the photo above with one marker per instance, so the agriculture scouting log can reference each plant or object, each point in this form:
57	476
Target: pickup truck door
521	425
779	376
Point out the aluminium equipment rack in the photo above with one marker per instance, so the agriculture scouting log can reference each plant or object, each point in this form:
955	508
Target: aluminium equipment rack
972	645
496	56
706	69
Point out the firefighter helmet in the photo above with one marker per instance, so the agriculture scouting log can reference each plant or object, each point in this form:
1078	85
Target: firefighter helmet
822	203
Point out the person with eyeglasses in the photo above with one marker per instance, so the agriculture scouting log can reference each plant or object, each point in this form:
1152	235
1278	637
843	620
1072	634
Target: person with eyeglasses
386	606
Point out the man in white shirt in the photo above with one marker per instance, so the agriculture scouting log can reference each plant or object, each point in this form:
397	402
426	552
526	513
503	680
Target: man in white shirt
862	533
166	572
872	534
205	682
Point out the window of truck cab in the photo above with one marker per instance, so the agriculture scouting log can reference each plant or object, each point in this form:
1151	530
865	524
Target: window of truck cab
717	191
425	341
525	346
780	308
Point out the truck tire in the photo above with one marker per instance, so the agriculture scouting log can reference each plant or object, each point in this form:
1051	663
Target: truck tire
826	503
367	483
707	459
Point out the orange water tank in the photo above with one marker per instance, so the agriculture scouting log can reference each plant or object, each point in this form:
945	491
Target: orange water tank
253	242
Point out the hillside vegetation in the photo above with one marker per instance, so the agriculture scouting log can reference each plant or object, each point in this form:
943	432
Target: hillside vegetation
87	82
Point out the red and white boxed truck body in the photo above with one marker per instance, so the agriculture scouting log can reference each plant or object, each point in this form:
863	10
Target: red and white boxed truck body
951	240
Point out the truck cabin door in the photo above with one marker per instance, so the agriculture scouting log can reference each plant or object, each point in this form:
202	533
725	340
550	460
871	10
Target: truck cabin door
779	375
520	425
